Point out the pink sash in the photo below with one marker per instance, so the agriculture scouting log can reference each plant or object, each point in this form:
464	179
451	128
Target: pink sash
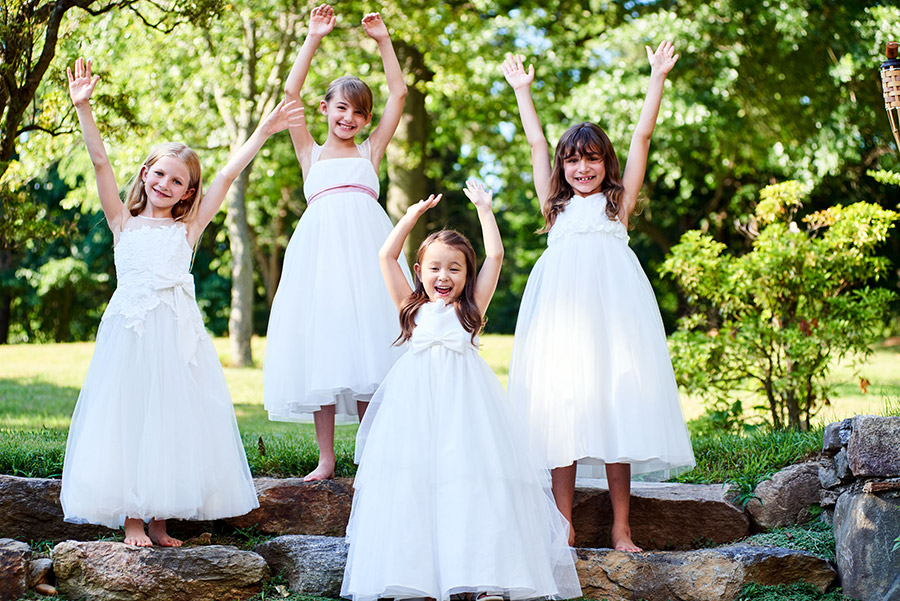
342	188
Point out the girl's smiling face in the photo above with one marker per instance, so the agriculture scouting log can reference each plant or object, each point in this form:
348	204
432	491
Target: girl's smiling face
584	172
442	272
344	119
166	182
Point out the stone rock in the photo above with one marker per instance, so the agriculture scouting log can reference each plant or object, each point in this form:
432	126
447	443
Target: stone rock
842	466
30	510
659	512
40	571
292	506
108	571
828	498
836	435
785	499
874	446
865	527
315	565
14	558
828	475
46	590
311	564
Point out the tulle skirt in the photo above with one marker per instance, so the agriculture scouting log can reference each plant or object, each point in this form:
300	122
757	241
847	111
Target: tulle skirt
590	368
153	436
332	323
449	499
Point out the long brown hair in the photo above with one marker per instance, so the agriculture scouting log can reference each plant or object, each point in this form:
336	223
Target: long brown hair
183	210
466	307
582	139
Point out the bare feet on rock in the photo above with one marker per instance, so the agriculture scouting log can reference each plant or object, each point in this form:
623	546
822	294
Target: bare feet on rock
159	536
324	471
621	539
134	533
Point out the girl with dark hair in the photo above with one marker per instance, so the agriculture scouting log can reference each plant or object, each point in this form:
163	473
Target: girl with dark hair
449	499
332	323
590	368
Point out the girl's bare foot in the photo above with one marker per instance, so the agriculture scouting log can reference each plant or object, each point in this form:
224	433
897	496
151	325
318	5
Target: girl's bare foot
134	533
157	531
323	471
621	539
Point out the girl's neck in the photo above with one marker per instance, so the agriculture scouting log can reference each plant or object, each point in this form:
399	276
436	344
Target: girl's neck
151	212
333	142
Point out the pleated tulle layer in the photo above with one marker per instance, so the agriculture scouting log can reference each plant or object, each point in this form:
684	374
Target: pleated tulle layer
449	498
590	368
153	436
333	322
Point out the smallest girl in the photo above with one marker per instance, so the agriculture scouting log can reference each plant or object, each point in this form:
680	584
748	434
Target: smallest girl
154	435
449	499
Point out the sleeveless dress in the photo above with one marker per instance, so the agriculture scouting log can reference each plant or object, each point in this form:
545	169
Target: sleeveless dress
333	322
153	434
449	497
590	368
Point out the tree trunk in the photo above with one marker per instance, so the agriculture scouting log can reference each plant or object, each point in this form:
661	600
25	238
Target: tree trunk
6	264
240	321
406	152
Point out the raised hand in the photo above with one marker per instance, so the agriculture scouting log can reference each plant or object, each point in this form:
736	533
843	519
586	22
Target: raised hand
515	73
480	197
81	84
663	59
415	211
375	27
284	116
321	21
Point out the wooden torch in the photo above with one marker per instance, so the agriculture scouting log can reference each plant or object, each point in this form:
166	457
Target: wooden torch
890	82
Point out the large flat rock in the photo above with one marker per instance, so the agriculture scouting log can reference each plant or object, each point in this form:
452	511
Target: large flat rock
664	515
315	565
108	571
874	446
865	526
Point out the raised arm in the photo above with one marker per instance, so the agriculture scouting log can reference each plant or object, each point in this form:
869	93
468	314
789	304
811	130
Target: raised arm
486	282
661	62
81	86
283	116
520	80
396	282
393	109
321	22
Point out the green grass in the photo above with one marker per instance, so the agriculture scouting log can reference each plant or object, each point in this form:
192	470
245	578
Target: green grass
789	592
815	537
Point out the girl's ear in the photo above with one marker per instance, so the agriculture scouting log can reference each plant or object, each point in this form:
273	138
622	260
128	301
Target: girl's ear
369	119
418	271
323	107
144	173
189	193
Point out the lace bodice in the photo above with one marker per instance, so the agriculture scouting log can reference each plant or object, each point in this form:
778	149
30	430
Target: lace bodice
586	215
153	260
437	325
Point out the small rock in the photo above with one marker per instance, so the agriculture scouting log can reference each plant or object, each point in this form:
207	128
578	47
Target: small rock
292	506
865	527
874	446
14	558
831	439
40	571
201	539
313	565
828	476
108	571
828	498
46	590
842	466
785	499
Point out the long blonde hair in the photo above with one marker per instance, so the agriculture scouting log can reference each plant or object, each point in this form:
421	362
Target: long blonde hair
183	210
582	139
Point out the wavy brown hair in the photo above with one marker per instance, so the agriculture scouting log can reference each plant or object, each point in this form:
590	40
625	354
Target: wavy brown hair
582	139
353	90
466	307
183	210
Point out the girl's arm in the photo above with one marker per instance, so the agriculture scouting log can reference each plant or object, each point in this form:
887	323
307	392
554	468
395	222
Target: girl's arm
520	80
81	86
283	116
393	110
493	244
321	22
396	282
661	62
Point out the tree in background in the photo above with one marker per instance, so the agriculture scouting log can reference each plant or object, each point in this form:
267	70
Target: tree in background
773	320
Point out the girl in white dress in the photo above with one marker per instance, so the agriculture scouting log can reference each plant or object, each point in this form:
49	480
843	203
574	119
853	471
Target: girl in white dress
590	367
449	497
154	435
332	322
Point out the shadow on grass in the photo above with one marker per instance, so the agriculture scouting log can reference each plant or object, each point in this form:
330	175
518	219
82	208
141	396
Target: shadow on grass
34	403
